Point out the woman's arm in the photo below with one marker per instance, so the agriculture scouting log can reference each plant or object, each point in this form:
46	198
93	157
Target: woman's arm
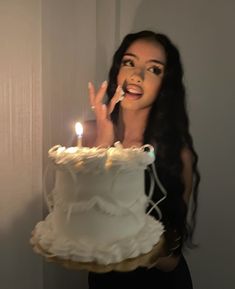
187	174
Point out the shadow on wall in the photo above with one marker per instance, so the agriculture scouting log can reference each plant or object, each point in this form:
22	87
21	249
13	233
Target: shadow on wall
167	17
148	16
29	270
20	268
58	277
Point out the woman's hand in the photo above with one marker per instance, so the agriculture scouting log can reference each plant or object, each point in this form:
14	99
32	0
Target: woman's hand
165	264
105	128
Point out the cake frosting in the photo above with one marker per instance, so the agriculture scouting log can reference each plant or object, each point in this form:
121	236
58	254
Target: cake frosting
97	208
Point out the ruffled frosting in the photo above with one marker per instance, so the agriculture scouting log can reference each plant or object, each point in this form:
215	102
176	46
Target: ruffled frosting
94	159
109	207
85	251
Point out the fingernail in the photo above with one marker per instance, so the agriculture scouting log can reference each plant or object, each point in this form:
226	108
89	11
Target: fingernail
120	98
89	84
120	90
104	83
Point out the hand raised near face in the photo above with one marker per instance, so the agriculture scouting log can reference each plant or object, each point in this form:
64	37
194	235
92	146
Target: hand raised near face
105	128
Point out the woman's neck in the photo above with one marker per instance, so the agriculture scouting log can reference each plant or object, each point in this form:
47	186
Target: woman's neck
131	127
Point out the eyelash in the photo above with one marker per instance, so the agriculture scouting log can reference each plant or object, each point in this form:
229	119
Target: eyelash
126	61
153	69
156	70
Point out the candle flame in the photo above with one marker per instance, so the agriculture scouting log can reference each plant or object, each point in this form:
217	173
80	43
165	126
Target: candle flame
79	129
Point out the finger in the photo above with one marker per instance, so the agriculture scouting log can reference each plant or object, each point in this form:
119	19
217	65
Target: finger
101	93
91	91
104	111
101	112
118	96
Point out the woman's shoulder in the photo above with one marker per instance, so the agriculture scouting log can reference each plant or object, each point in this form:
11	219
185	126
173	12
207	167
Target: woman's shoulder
186	155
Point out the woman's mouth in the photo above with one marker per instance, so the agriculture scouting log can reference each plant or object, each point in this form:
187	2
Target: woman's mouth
133	91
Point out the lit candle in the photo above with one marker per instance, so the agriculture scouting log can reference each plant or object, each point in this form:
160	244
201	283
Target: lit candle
79	132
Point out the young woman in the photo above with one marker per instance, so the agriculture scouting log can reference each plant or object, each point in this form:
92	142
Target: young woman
146	105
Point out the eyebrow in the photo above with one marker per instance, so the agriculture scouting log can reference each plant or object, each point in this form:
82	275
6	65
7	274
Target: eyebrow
150	60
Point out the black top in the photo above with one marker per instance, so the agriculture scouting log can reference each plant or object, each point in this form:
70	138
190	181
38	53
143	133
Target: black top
143	278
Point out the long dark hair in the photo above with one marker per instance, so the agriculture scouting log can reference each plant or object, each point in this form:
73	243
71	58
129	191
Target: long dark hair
168	129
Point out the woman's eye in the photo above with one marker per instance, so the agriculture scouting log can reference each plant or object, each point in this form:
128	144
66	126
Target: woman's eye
127	62
155	69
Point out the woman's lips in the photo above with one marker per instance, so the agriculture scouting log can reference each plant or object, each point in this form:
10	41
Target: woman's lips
133	88
133	91
132	96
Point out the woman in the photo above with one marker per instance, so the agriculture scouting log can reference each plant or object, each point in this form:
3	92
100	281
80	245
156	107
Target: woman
146	104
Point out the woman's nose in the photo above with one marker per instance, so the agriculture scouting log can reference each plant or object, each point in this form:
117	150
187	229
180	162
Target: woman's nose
137	75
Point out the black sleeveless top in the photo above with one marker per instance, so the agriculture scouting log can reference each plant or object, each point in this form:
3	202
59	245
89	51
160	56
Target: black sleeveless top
143	278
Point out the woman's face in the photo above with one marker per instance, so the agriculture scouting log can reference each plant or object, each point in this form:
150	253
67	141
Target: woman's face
141	73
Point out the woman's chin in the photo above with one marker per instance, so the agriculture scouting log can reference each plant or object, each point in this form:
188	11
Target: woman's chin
130	105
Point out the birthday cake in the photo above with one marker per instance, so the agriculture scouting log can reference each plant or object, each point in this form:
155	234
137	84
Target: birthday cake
97	208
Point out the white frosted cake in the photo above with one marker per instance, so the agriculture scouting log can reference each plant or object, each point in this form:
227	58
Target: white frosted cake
98	205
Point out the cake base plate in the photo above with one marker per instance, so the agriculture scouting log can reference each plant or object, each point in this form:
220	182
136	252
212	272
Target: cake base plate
158	250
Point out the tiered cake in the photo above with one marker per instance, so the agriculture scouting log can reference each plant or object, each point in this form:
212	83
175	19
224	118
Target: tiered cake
98	205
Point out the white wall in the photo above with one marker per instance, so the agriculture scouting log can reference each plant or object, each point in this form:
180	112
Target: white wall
20	142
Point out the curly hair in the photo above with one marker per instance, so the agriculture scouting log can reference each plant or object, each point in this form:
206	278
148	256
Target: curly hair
168	130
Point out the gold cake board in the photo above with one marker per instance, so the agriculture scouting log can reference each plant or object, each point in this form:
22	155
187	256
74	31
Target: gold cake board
130	264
